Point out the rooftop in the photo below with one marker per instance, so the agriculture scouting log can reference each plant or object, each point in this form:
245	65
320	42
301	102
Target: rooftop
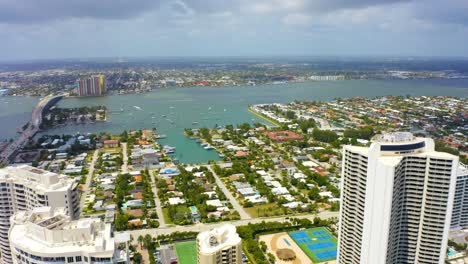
395	137
36	178
47	231
218	239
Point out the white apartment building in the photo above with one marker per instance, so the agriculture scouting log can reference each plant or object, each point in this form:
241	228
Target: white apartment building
24	188
397	199
46	235
460	204
221	245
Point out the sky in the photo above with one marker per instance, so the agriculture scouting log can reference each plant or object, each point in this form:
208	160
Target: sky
54	29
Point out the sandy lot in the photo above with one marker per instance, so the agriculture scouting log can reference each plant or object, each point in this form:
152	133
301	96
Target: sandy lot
277	241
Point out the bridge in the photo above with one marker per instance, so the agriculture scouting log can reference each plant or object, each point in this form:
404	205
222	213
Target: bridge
32	128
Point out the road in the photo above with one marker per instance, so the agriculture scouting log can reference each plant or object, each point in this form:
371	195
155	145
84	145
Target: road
31	130
89	177
125	157
157	202
243	214
204	227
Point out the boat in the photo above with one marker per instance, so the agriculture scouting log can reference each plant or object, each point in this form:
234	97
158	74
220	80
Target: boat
204	144
163	115
221	155
209	108
168	149
225	110
157	136
208	147
194	123
137	107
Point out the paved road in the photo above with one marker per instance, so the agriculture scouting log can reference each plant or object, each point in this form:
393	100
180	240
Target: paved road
205	227
157	202
29	132
125	157
89	177
243	214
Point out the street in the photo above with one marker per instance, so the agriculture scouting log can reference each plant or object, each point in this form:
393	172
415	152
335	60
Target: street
204	227
125	157
243	214
89	177
159	211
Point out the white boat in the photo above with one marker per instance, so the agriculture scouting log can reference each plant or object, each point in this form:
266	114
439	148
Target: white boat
137	107
168	149
208	147
209	108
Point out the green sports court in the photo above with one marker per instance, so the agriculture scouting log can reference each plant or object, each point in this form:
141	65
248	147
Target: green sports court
187	252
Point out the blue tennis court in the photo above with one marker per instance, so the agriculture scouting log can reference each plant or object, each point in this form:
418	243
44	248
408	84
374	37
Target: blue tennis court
317	243
327	254
321	245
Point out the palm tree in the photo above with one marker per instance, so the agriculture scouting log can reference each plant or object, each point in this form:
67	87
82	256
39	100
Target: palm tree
140	240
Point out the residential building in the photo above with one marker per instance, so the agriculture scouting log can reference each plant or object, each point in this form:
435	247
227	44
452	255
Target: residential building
24	188
221	245
111	143
93	86
46	235
460	203
397	198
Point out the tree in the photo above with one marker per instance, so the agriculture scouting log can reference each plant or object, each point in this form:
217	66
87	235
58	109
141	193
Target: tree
140	240
324	135
314	194
137	258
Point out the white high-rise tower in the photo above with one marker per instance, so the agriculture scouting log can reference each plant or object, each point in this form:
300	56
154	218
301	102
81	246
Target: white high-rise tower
397	199
24	188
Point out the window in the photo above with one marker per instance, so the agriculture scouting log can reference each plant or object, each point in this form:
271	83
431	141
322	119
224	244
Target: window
70	259
78	258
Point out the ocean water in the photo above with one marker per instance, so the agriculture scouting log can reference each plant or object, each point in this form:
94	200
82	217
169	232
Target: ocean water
173	109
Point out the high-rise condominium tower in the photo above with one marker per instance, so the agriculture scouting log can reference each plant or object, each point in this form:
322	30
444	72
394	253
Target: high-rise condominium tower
397	199
25	188
460	204
93	86
221	245
44	235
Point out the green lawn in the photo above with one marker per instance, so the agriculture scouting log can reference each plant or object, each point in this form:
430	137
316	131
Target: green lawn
265	210
317	243
167	219
187	252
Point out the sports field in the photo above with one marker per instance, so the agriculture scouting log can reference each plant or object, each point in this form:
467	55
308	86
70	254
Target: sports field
187	252
317	243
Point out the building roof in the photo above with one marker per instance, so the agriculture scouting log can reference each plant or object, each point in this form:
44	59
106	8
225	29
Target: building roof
218	239
47	232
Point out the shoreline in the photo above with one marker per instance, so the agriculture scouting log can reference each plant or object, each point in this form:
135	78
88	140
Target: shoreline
274	122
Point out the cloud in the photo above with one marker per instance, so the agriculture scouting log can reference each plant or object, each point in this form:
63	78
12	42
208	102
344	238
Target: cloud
30	11
72	28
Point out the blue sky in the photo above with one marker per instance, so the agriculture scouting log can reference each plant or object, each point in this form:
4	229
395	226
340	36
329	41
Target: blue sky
43	29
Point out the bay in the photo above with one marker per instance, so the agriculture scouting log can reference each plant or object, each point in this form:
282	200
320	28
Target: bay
171	110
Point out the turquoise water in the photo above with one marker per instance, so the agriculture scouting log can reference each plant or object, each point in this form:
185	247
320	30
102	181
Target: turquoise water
211	106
